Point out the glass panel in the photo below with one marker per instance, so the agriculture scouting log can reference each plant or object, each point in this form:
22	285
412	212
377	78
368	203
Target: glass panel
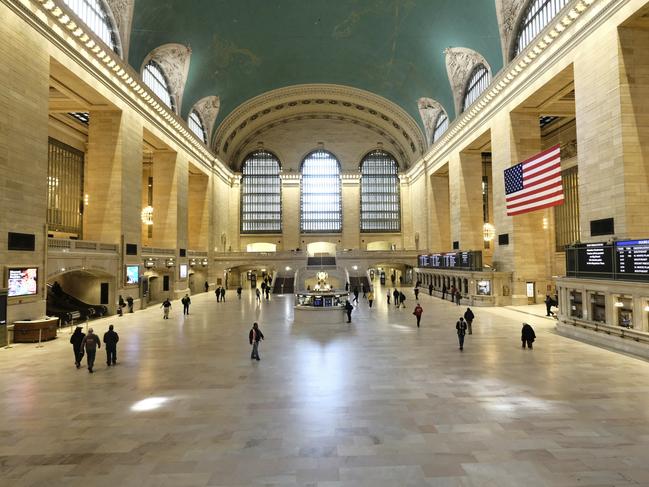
155	79
64	188
538	15
94	15
380	193
261	194
478	82
440	126
196	126
321	195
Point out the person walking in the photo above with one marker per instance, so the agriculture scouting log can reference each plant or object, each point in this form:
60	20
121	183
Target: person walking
452	293
395	295
370	298
363	290
402	299
76	339
254	336
458	296
356	295
267	292
186	302
444	291
223	294
527	336
430	289
217	291
548	305
91	343
166	305
460	327
348	309
110	340
417	293
417	312
347	286
258	294
129	302
387	295
469	317
207	286
239	292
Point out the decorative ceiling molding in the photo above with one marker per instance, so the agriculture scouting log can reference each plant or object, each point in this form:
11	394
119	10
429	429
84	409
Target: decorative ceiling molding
208	109
122	12
174	60
509	13
429	111
460	63
323	99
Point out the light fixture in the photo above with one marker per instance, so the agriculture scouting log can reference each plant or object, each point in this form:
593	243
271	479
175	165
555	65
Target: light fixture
355	267
86	199
488	232
287	268
646	308
618	304
147	215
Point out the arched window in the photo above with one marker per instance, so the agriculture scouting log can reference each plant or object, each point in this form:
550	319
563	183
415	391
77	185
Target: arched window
155	79
478	82
441	125
321	195
537	16
380	193
95	15
196	126
261	194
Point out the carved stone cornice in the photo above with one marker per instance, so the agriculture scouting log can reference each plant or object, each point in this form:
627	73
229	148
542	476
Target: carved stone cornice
460	63
429	111
122	12
509	17
385	117
208	109
174	60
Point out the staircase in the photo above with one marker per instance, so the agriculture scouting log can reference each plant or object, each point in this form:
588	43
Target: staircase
283	285
355	282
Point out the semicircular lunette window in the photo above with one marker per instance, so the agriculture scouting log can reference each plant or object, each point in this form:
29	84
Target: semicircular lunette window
538	14
478	82
321	194
196	125
441	126
95	15
261	194
380	193
154	78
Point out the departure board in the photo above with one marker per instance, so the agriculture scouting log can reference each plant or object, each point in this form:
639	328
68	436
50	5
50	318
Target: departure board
632	259
471	260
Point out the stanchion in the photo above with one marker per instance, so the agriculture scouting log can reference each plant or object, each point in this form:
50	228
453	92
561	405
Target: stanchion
8	345
40	333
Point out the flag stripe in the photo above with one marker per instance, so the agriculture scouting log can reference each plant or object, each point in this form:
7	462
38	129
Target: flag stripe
535	183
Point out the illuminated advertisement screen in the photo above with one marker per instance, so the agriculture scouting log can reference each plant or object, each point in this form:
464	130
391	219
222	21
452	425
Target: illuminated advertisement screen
23	281
132	274
183	271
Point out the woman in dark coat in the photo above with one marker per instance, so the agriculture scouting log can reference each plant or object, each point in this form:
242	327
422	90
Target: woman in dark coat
527	336
76	339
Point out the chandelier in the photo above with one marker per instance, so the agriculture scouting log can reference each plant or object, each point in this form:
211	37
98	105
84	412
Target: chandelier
147	215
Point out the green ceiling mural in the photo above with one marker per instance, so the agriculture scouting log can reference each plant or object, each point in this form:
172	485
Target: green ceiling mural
242	48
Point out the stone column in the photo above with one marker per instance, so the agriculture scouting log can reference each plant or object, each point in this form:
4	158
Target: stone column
291	212
23	153
199	202
351	203
465	175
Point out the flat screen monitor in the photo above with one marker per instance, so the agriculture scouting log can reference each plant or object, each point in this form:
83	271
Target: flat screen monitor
132	274
22	281
183	271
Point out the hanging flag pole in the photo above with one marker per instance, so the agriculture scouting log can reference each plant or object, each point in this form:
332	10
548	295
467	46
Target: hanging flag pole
535	183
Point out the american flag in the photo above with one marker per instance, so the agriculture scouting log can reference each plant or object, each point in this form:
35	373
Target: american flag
535	183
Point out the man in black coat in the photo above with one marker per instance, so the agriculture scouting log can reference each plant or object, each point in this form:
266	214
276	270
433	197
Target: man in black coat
76	339
254	336
460	327
110	340
348	309
527	336
469	317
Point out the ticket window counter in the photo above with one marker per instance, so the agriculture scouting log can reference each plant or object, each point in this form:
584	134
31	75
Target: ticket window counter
624	311
598	307
576	304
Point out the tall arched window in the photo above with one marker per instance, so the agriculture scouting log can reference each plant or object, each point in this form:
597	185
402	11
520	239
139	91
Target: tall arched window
478	82
196	125
95	15
380	193
441	125
155	79
538	14
321	195
261	194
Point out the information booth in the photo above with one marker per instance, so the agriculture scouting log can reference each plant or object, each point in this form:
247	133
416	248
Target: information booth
320	307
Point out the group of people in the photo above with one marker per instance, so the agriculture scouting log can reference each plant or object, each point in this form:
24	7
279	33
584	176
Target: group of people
454	293
123	304
399	298
220	294
87	344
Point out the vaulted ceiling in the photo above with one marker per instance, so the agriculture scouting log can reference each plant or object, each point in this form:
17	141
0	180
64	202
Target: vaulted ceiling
243	48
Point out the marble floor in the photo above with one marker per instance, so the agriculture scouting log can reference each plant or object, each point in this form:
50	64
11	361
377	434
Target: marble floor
375	403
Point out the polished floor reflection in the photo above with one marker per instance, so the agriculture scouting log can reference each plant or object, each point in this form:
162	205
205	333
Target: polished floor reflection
375	403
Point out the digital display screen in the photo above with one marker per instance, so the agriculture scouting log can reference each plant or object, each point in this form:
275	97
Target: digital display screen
633	259
423	261
468	260
590	260
23	281
436	260
317	301
484	288
183	271
132	274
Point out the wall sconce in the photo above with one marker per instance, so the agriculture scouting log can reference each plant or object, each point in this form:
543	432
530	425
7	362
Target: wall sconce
355	267
287	268
86	199
618	304
646	308
488	232
147	215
